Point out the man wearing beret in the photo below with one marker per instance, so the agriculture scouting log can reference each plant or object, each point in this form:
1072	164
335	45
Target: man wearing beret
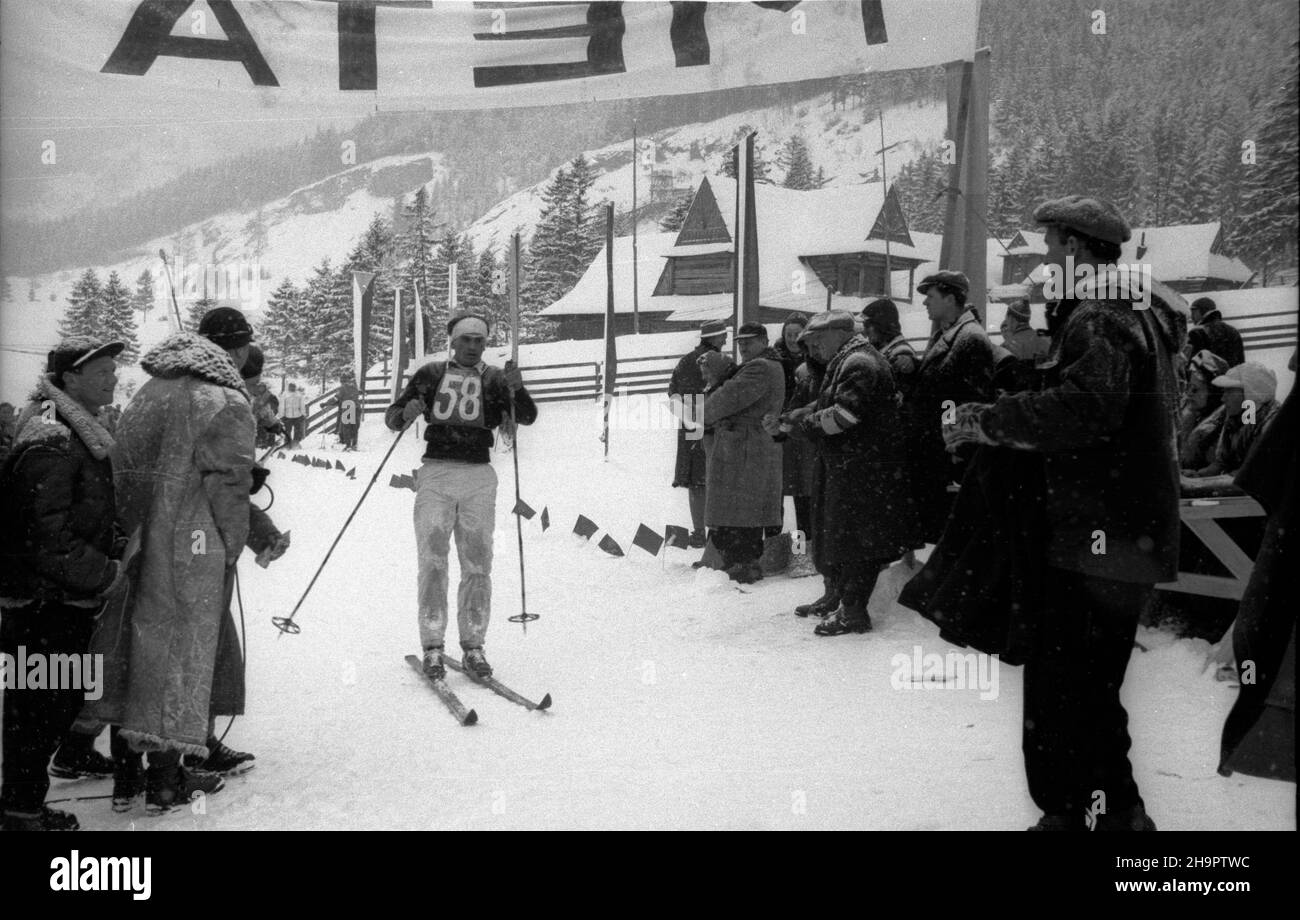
743	502
862	510
957	367
686	387
1103	426
462	400
58	562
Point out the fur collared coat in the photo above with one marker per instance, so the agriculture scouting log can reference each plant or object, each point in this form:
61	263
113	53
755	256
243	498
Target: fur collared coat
182	467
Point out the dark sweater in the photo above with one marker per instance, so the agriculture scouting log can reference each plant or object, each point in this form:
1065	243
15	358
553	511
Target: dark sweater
468	443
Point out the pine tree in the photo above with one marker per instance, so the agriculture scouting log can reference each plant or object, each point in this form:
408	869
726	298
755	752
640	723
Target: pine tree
119	317
416	251
762	169
85	312
673	220
142	300
796	164
194	312
1270	209
283	330
437	306
327	323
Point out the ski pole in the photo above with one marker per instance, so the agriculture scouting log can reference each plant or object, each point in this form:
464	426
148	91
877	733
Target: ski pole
171	288
523	617
286	624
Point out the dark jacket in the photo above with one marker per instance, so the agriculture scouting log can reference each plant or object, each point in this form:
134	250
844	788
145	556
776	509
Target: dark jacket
687	382
1216	335
469	443
862	508
1259	734
348	396
957	368
1104	424
57	506
903	363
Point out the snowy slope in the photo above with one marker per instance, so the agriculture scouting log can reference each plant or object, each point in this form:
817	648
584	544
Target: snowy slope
679	701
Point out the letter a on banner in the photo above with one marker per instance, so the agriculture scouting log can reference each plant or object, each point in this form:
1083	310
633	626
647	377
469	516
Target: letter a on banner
363	296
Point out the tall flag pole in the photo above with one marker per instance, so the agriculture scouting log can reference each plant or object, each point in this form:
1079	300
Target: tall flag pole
964	247
884	188
419	350
611	352
636	168
744	304
399	345
363	298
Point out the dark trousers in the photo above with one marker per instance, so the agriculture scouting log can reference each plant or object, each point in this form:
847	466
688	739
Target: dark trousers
295	429
36	720
854	583
740	544
1076	739
803	515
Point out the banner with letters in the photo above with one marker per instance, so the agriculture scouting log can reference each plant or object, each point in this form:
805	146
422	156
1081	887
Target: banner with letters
456	55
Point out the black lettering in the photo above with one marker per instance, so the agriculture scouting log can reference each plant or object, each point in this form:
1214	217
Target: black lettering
873	22
605	26
689	36
358	60
148	37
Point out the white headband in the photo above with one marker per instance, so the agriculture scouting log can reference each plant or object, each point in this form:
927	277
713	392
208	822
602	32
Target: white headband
470	325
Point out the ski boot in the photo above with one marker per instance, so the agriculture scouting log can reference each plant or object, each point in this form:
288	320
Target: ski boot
434	669
224	760
829	600
77	758
169	785
476	664
845	619
696	540
47	819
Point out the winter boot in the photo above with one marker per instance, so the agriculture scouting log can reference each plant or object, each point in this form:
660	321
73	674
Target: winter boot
745	573
169	785
434	669
776	554
696	539
476	664
829	600
801	564
1130	819
128	774
845	619
226	761
47	819
1066	822
77	758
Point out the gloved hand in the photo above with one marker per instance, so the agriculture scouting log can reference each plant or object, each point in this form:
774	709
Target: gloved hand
413	410
772	424
514	377
966	429
277	429
259	479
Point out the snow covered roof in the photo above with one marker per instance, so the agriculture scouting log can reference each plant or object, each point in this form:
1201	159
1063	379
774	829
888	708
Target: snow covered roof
588	295
1183	252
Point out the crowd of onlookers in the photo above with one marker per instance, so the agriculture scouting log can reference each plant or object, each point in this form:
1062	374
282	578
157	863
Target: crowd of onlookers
1046	470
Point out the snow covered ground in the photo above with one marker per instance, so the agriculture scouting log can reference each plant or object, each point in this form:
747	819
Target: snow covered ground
680	702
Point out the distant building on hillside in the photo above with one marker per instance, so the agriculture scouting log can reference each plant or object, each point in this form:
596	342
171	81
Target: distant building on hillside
816	250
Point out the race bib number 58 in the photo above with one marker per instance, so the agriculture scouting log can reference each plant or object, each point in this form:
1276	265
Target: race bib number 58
459	400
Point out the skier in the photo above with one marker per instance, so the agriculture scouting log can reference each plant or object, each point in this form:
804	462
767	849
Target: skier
461	400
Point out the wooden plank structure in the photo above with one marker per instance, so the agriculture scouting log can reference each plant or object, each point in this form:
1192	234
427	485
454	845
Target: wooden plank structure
1202	516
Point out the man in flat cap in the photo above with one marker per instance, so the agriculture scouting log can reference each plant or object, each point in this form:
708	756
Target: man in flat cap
462	400
686	390
957	367
59	560
862	508
1103	427
743	503
1018	337
1213	333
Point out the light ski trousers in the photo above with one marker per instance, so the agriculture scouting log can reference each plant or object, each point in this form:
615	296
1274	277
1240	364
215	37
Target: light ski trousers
457	498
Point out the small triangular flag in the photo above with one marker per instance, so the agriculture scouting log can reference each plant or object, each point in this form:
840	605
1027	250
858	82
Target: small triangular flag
585	527
352	473
396	481
280	455
677	536
523	510
546	518
338	465
608	545
648	540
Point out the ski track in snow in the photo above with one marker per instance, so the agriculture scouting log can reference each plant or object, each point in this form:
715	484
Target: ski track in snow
679	701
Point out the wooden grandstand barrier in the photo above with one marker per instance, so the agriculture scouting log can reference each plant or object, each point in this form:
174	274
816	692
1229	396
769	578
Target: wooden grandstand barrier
1202	516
